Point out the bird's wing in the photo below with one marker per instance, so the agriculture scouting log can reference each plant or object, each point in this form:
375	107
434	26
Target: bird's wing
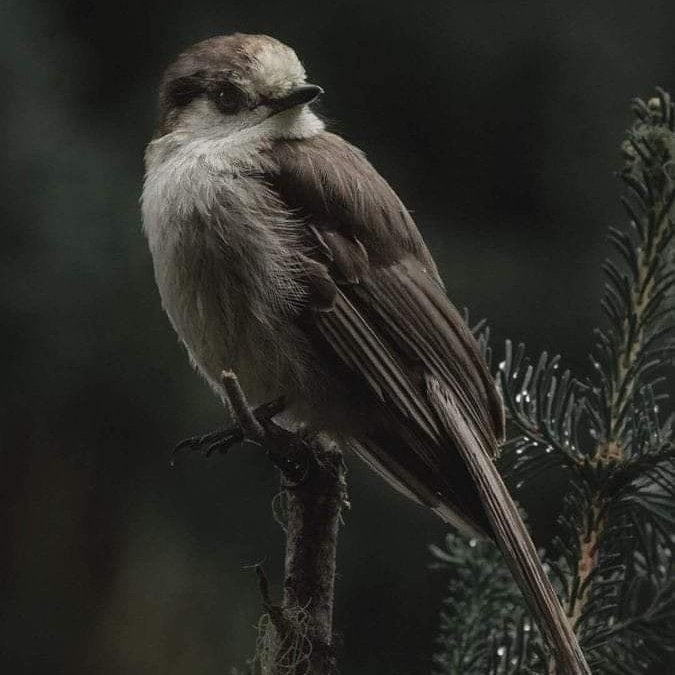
390	321
383	312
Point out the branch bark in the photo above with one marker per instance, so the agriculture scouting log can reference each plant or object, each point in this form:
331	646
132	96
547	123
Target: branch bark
298	637
314	508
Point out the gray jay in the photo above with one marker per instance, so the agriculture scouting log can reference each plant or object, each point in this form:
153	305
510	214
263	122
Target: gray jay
281	254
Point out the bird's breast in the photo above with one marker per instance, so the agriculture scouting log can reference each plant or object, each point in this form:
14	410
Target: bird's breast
224	268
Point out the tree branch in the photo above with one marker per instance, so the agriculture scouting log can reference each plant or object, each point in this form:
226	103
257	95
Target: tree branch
296	636
643	268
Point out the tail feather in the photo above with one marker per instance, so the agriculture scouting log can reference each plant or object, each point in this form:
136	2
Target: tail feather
510	533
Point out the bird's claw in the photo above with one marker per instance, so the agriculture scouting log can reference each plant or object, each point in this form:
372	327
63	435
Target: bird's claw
220	440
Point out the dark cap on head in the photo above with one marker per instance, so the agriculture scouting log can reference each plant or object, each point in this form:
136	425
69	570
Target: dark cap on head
248	68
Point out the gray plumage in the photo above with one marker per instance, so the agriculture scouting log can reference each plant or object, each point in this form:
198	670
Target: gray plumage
282	255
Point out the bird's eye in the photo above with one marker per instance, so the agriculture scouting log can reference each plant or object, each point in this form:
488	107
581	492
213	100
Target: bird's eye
230	98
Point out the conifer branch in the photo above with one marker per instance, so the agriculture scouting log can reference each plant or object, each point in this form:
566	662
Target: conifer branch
608	437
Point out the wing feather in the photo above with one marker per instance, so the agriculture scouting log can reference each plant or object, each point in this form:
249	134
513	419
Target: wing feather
437	416
402	301
390	320
364	352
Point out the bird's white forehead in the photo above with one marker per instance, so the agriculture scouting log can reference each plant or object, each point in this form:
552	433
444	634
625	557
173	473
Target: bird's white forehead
276	69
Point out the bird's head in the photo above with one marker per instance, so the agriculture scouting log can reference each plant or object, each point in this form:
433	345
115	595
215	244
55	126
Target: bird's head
228	84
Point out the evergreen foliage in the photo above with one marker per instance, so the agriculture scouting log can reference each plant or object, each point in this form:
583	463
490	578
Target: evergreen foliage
608	437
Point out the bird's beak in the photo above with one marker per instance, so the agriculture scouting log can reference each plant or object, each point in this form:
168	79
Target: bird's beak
304	93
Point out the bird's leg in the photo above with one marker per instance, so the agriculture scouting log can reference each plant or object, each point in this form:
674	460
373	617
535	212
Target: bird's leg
252	424
290	451
287	450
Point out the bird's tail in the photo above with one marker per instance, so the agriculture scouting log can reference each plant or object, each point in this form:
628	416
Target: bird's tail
510	534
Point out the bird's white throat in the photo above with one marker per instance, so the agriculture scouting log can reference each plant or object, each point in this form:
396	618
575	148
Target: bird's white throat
183	165
203	133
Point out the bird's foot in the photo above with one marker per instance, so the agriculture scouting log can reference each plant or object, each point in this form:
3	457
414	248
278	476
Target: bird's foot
290	451
222	440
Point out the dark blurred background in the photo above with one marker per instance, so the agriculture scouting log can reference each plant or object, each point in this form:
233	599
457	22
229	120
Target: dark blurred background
499	124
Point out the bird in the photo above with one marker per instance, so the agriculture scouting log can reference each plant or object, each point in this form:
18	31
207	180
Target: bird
282	255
